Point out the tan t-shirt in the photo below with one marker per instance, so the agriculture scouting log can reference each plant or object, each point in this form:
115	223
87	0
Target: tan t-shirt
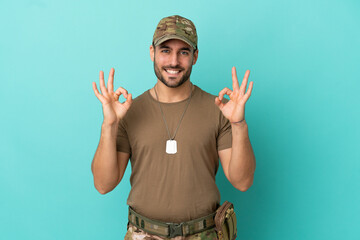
174	187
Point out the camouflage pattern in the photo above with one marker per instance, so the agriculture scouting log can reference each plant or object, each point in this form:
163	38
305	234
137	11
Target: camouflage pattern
176	27
134	233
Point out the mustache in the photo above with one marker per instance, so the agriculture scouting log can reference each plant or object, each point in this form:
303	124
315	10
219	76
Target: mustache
177	67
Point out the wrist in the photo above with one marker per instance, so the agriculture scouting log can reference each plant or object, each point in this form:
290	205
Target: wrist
110	124
239	124
109	128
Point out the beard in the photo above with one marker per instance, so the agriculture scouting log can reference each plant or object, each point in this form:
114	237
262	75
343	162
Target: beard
170	84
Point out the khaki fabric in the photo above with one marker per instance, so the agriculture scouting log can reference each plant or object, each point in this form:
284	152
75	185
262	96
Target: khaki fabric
174	187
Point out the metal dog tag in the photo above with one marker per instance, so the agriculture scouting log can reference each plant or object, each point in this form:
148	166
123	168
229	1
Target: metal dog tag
171	147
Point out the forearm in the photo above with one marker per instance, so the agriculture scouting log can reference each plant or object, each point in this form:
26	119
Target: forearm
242	164
105	167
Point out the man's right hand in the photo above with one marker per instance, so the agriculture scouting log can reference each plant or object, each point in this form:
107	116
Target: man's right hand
113	110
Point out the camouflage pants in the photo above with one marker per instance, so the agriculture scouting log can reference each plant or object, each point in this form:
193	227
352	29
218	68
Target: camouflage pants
134	233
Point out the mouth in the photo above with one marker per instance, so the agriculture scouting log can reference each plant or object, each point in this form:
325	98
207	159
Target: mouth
172	72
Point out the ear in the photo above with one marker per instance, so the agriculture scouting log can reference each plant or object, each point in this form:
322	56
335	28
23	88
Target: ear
152	52
195	56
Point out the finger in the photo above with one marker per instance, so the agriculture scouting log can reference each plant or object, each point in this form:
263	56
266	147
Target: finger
120	91
244	82
102	85
226	91
128	101
219	103
97	94
234	79
248	92
111	80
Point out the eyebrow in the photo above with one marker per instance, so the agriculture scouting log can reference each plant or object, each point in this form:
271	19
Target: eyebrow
186	48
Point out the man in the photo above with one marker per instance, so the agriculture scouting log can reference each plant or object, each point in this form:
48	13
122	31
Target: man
174	135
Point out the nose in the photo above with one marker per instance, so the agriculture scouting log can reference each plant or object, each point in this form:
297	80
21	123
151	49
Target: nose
174	59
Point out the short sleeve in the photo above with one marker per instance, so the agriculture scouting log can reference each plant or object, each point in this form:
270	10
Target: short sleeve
122	140
224	138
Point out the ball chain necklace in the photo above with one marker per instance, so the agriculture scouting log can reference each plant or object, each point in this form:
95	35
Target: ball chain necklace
171	144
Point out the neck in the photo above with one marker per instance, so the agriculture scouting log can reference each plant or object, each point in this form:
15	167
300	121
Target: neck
170	95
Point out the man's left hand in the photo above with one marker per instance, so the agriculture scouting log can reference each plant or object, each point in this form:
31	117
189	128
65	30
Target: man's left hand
234	109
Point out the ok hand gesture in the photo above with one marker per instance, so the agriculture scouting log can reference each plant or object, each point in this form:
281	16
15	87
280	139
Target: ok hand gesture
113	110
234	110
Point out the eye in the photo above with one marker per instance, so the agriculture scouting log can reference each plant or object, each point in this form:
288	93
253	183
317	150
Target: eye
165	51
184	53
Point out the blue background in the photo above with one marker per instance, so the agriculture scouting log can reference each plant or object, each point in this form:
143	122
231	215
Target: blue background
303	114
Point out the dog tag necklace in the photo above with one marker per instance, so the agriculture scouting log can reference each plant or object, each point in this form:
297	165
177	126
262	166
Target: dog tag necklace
171	144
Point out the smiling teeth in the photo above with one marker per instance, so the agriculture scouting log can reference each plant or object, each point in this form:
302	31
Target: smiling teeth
172	72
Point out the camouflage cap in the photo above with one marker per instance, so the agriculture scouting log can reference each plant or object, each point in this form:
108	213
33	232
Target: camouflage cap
175	27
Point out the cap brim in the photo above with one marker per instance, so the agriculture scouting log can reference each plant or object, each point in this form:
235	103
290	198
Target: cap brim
173	36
